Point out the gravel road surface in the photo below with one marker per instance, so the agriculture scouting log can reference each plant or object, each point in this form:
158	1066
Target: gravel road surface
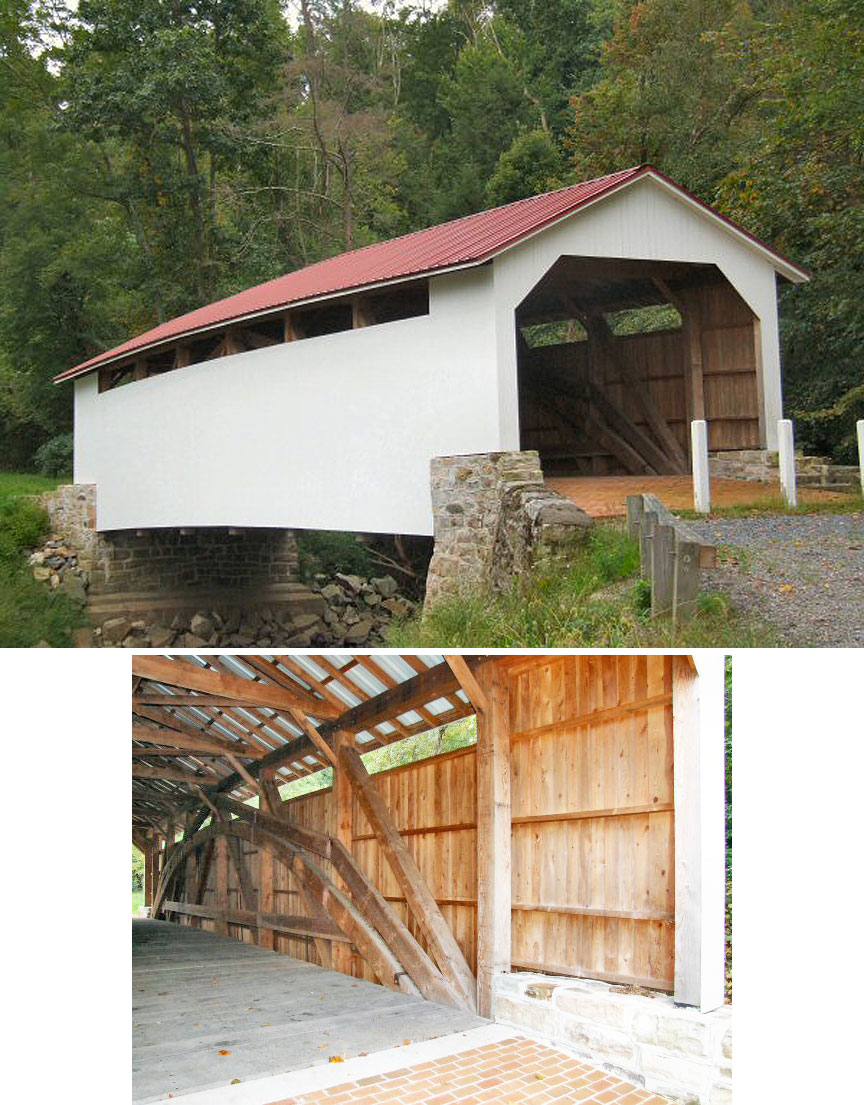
802	573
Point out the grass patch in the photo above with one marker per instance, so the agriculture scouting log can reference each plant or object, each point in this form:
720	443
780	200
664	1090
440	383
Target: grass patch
848	504
593	600
137	901
29	611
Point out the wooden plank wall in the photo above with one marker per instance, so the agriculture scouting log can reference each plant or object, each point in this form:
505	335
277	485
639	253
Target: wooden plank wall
592	826
593	823
434	804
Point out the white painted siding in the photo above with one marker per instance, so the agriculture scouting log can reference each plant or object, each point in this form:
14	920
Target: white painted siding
334	432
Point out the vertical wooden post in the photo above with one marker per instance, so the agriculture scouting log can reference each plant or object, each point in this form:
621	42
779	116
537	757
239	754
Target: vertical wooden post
693	329
340	813
221	902
150	861
697	713
493	835
266	937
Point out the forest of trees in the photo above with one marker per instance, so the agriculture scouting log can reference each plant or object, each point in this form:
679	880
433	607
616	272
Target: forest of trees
158	154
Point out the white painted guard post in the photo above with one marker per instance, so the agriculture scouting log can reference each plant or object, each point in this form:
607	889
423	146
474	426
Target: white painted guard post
786	444
699	451
860	425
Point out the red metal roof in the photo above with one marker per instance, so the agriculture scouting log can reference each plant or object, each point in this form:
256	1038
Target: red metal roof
466	241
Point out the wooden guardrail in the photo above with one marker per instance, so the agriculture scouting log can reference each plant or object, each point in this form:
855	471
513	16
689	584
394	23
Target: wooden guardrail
671	556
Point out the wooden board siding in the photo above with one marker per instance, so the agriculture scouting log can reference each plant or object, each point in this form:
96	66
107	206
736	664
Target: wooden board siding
727	333
593	851
592	832
434	805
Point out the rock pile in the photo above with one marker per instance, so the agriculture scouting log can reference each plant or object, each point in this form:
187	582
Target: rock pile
56	565
355	612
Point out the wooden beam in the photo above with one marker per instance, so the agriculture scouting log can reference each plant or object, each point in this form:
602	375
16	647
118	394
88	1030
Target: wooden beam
340	826
145	698
221	884
243	773
434	683
172	774
493	835
173	738
467	682
181	673
265	934
363	935
315	736
442	944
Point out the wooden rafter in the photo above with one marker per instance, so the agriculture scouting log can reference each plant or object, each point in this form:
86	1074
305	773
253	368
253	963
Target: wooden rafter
182	673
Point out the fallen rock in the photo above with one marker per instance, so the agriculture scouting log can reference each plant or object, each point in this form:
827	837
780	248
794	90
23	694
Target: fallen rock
386	586
115	629
354	582
359	632
201	625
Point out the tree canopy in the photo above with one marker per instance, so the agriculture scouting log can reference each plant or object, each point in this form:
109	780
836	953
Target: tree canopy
155	156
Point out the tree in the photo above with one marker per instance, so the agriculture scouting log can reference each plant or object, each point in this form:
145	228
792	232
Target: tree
799	185
532	164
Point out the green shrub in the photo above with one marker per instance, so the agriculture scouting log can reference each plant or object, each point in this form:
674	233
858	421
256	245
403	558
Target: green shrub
642	597
594	599
22	525
831	431
330	551
54	458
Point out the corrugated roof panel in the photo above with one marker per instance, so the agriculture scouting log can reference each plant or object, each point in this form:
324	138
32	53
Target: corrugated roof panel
469	240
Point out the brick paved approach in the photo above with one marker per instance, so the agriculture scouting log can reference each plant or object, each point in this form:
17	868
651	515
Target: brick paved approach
507	1072
606	496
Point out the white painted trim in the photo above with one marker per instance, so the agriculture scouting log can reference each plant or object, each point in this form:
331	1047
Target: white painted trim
700	831
701	471
261	1091
786	449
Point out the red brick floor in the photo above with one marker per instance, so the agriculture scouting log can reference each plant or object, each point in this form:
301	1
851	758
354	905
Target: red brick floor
511	1072
606	496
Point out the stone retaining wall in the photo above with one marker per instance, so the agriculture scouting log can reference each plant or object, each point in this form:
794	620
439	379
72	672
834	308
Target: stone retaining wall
493	514
669	1049
760	466
165	569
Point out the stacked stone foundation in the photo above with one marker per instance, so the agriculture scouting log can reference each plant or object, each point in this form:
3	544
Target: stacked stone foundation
493	517
159	572
670	1049
761	466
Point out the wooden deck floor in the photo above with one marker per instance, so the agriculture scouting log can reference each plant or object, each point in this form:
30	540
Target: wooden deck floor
207	1011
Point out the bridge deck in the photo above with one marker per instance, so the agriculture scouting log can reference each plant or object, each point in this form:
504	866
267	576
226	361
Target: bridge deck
207	1010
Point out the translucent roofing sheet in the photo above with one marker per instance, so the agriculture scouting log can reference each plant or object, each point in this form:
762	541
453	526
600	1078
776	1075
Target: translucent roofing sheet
314	669
366	681
410	717
395	666
439	706
348	697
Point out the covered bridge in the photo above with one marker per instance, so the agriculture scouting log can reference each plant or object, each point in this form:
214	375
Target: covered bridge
580	838
591	323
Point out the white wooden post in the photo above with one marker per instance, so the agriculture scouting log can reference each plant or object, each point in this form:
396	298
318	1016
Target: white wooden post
860	425
699	452
786	445
700	829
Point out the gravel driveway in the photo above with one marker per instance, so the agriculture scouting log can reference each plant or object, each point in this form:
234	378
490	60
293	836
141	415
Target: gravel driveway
804	574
